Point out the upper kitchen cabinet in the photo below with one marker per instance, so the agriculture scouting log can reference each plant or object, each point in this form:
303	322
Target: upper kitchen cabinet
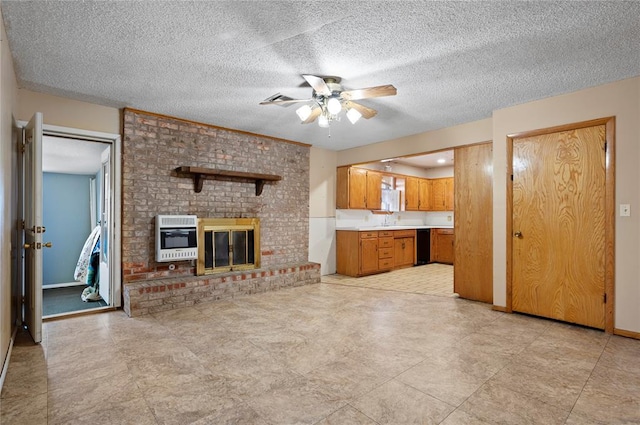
358	188
412	193
418	194
425	202
442	194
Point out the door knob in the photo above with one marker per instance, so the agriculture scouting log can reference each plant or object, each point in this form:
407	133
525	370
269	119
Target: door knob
518	235
47	245
26	246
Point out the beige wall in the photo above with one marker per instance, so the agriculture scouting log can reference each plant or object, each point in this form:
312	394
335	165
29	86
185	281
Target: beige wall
65	112
459	135
8	89
620	99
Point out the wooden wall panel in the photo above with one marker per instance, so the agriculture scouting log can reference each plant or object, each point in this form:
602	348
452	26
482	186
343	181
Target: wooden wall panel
473	246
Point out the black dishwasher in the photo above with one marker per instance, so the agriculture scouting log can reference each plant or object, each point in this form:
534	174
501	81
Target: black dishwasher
423	249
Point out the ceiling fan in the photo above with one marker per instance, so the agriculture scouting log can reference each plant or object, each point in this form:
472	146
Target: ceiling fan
328	99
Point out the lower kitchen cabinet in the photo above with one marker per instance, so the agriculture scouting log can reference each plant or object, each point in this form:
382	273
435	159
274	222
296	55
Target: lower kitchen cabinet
442	241
385	251
364	253
404	248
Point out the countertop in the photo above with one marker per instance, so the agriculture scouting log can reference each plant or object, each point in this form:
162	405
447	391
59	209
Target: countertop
376	228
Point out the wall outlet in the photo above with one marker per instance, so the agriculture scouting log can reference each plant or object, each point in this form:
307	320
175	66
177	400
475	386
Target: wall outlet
625	210
449	218
398	218
366	218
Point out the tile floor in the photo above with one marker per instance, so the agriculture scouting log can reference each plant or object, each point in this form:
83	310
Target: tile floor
323	354
430	279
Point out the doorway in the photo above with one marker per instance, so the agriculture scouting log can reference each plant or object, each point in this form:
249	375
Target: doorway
561	222
80	172
73	194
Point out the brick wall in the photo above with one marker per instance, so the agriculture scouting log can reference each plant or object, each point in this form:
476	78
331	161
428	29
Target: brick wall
154	146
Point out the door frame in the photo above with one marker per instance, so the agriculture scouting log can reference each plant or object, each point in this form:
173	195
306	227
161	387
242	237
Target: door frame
115	141
609	278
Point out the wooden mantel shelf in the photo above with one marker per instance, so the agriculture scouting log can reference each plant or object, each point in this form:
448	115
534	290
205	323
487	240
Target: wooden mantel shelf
199	174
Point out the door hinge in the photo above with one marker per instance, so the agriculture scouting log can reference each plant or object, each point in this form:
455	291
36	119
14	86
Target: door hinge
605	298
605	146
511	177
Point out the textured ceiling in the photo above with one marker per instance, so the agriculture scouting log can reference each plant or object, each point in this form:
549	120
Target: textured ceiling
452	62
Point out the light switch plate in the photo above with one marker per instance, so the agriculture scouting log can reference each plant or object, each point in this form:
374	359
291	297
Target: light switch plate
625	210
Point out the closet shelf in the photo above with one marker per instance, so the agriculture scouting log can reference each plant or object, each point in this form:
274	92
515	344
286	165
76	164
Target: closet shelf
199	174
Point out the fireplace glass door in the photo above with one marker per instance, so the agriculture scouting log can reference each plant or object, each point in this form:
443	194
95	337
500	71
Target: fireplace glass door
228	248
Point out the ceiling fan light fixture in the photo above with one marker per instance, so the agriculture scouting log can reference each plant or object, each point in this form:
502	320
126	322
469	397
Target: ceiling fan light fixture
334	106
353	115
323	121
304	112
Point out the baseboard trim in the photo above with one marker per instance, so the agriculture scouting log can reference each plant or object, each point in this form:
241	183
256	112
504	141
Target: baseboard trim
5	366
628	334
62	285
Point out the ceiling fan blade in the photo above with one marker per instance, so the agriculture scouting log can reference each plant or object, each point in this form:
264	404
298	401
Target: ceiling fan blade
315	113
364	110
318	85
366	93
282	100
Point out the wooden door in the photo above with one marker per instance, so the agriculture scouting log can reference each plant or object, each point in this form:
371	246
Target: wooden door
424	194
374	190
357	188
412	194
473	247
558	248
33	228
368	255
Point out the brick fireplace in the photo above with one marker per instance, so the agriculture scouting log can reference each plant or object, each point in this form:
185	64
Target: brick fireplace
154	147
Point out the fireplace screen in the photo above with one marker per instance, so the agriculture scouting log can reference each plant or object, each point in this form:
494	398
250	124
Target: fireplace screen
228	244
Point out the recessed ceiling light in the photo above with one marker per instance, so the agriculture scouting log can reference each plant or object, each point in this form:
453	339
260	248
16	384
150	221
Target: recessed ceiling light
442	161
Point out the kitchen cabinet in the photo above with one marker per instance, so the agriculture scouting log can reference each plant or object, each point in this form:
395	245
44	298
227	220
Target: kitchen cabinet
363	253
418	194
442	194
442	245
361	189
412	193
404	248
425	202
358	188
385	251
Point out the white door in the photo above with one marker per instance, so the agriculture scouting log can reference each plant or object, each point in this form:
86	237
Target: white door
105	227
33	228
